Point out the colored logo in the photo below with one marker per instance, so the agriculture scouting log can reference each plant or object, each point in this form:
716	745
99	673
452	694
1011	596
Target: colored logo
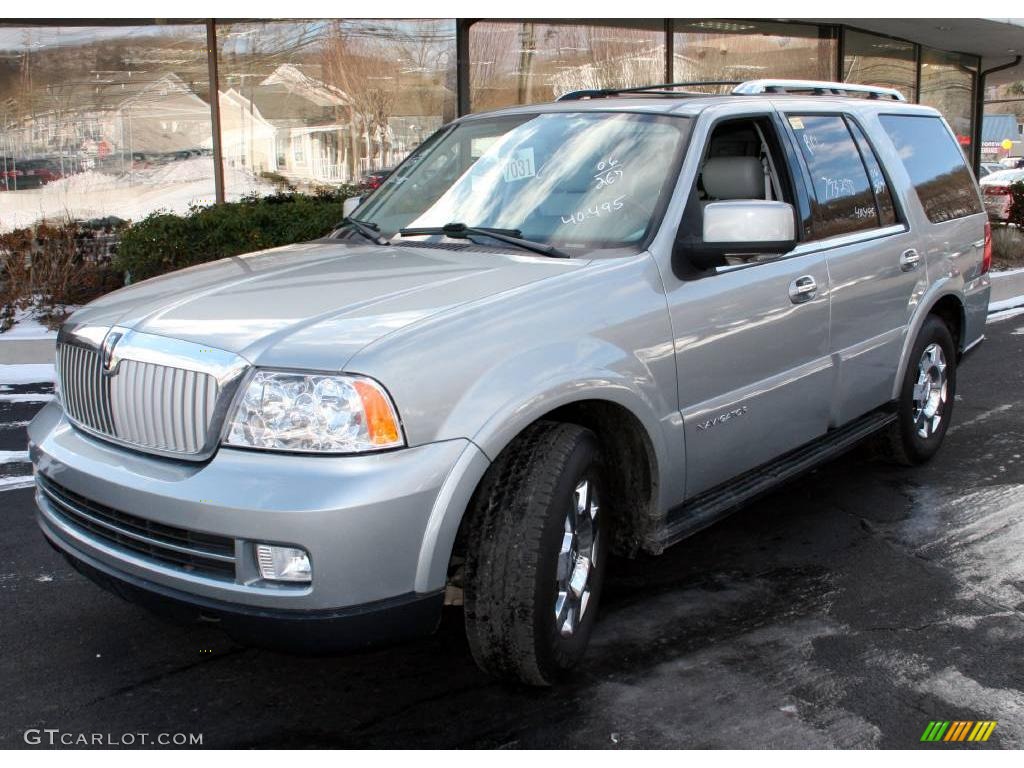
958	730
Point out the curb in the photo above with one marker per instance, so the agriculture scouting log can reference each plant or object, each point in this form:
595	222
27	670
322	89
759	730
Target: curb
1007	285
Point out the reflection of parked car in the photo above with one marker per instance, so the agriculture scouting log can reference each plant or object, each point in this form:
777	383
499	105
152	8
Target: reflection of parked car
45	170
987	168
996	190
18	175
556	332
374	179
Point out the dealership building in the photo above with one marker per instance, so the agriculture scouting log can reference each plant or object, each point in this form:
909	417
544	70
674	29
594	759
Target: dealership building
122	118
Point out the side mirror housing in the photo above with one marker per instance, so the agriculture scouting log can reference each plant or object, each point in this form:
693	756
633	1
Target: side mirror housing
744	228
350	204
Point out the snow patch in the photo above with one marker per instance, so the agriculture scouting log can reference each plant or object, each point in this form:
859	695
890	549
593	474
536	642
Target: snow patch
27	373
14	483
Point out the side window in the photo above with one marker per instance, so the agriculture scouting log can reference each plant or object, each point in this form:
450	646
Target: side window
843	193
886	209
935	165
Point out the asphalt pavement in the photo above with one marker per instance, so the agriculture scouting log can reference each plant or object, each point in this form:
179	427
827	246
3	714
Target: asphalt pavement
848	609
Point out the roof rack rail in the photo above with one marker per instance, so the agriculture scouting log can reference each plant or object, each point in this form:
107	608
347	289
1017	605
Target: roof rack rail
817	87
660	89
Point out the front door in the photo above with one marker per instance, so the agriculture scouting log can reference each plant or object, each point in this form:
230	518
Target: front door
751	335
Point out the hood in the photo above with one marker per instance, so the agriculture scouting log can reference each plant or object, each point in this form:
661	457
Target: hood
314	305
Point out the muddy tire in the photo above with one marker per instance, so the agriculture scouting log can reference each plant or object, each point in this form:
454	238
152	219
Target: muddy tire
537	548
926	399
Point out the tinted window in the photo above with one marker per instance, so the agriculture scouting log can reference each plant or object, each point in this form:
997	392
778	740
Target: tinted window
842	191
886	209
935	165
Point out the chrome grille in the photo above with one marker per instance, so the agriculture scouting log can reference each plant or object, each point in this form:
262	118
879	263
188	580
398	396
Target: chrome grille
157	394
84	389
160	407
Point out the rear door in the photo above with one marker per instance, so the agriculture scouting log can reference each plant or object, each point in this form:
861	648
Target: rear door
874	259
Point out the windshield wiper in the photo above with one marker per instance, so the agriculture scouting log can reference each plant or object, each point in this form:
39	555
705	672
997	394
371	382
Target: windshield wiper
510	236
367	229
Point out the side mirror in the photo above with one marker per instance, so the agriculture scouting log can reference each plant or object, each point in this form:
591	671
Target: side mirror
350	204
745	228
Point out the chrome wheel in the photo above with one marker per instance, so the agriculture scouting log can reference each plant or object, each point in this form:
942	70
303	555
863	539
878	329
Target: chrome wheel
577	559
930	391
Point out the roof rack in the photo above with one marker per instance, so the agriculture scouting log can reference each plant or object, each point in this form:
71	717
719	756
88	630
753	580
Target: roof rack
817	87
748	88
649	90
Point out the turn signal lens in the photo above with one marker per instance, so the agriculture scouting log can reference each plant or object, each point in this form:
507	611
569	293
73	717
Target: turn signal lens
381	421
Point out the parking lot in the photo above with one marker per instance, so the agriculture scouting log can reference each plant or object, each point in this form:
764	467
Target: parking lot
848	609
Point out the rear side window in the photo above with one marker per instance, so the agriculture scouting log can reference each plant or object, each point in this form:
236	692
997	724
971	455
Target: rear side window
886	209
935	165
843	193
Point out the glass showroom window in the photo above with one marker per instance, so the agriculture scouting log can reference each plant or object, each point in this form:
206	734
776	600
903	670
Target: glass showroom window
324	102
947	83
748	50
876	60
103	121
531	62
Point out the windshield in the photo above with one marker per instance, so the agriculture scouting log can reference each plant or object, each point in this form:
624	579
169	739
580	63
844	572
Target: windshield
573	180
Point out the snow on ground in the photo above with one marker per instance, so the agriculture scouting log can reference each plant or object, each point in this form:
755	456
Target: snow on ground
26	373
13	457
27	326
31	398
133	195
18	481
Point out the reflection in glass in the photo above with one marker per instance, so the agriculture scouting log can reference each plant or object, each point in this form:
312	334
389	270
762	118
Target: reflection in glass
883	61
103	121
748	50
947	83
327	101
530	62
574	180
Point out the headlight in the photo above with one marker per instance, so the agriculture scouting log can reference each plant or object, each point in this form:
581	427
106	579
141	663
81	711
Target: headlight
313	412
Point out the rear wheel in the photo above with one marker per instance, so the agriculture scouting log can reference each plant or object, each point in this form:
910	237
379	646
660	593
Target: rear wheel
536	554
927	396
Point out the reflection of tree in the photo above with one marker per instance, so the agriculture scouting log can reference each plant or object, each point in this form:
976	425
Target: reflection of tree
359	67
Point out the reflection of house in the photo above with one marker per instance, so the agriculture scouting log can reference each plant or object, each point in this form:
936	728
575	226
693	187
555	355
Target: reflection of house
247	138
115	113
310	122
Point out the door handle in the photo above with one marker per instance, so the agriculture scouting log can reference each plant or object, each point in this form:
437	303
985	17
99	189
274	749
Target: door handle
802	289
909	259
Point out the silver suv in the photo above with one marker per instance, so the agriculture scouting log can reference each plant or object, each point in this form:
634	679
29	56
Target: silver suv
556	332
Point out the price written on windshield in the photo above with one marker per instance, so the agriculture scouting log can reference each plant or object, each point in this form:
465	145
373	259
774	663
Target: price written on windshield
594	211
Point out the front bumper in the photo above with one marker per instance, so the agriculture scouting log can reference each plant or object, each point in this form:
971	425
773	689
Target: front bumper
362	519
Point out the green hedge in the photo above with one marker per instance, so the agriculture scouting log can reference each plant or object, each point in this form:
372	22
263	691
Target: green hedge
163	242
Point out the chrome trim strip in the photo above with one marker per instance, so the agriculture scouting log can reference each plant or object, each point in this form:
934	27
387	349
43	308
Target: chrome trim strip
77	511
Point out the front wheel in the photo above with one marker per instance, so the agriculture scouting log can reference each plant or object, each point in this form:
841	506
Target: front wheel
927	396
536	555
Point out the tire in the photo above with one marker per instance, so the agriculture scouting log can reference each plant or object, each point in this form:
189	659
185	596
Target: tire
518	549
915	437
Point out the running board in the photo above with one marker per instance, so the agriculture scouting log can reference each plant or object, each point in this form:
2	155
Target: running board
716	503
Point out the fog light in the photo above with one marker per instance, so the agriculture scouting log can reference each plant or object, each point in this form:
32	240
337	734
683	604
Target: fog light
283	563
